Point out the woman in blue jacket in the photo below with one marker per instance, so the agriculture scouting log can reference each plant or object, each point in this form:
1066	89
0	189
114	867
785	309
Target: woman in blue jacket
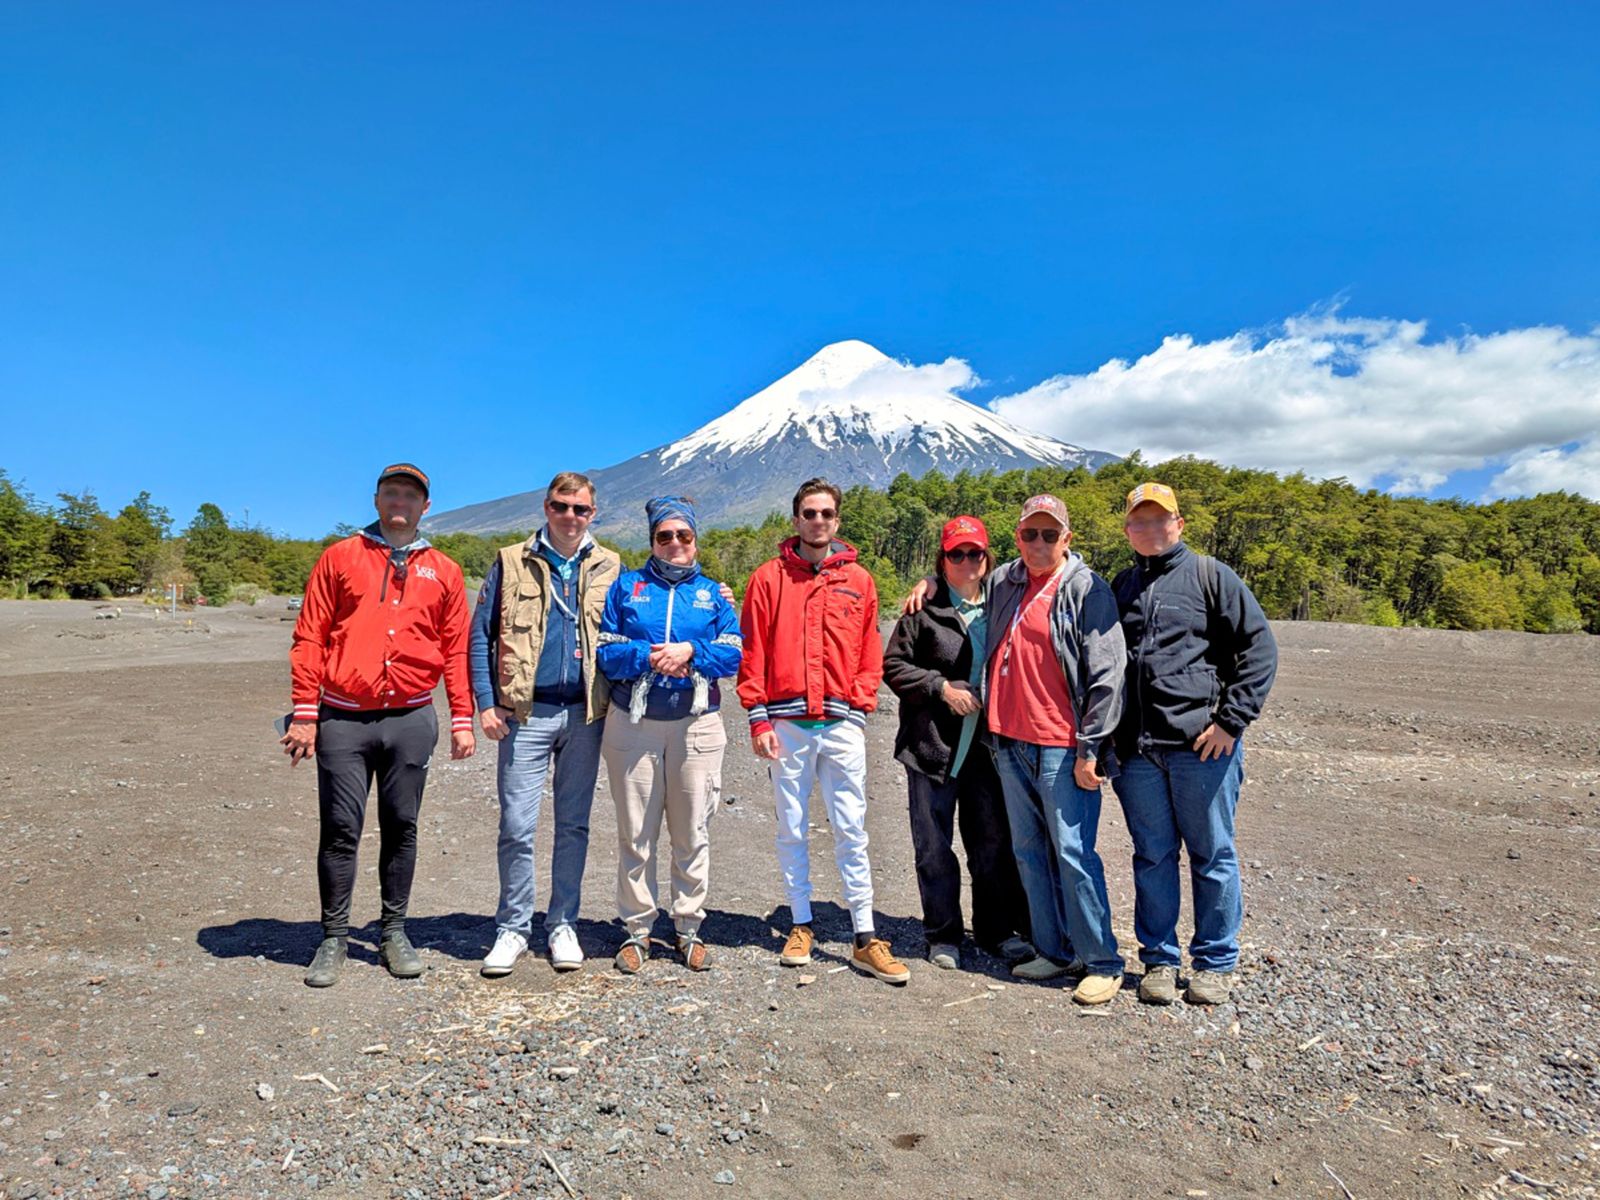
666	637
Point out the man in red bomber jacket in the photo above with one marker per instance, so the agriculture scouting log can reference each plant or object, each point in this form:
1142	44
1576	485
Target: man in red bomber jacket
385	615
812	663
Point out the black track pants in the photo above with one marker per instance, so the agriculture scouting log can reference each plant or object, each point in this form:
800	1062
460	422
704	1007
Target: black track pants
353	748
999	905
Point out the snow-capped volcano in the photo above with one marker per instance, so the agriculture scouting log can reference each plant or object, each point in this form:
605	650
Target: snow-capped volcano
849	412
851	391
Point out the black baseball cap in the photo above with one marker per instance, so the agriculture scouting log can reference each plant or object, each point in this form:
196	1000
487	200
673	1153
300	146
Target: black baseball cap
405	471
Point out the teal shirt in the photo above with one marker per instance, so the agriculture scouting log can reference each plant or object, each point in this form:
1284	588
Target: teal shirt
971	614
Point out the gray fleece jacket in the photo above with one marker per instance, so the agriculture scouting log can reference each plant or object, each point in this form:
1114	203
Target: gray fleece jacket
1087	634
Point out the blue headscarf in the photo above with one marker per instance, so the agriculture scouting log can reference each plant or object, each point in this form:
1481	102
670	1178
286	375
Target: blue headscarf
664	508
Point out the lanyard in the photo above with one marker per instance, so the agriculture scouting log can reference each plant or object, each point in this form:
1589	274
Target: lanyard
1047	589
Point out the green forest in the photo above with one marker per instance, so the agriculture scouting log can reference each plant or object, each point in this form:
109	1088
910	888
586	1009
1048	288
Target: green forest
1310	550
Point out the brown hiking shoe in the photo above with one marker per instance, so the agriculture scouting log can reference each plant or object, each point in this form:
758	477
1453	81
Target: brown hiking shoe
1209	987
876	959
797	950
1159	985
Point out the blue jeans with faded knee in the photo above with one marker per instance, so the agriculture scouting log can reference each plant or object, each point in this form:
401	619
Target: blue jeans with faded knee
1171	799
1054	823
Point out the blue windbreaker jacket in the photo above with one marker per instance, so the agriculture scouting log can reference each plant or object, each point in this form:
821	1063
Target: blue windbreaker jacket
643	610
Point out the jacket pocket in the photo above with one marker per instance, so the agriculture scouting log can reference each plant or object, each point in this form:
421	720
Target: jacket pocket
1180	700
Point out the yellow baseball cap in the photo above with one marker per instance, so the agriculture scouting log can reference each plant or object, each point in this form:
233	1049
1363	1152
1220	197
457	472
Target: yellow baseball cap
1152	493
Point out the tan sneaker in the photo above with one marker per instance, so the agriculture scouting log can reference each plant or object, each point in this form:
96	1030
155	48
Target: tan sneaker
1159	985
875	958
797	950
1097	989
1209	987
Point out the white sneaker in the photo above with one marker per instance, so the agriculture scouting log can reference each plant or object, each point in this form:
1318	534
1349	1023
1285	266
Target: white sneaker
565	953
508	947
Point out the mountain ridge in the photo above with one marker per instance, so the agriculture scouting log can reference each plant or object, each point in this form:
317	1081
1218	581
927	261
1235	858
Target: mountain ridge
849	412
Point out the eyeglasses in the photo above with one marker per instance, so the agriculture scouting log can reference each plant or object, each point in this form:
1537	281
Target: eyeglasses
664	536
1150	526
577	510
961	556
813	514
1050	536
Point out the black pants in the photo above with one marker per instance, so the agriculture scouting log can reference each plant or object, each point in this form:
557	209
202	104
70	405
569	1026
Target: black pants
352	749
999	905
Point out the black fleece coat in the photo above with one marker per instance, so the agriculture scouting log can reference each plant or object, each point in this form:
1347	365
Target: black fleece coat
927	649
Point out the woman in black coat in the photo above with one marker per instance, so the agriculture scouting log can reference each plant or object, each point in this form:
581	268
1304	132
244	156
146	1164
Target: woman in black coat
931	663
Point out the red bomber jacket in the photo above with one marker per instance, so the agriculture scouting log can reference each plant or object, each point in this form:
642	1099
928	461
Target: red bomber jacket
370	639
811	644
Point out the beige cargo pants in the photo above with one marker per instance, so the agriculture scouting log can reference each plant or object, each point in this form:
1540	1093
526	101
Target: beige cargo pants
671	768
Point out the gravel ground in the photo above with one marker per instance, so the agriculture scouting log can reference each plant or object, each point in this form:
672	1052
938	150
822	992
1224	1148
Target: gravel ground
1416	1014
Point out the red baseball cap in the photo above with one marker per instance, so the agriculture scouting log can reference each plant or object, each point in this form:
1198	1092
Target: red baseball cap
962	531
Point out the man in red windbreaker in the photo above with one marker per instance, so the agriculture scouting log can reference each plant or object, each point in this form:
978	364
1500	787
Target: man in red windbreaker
385	615
812	663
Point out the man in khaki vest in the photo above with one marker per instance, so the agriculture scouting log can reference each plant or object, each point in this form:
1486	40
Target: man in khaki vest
541	698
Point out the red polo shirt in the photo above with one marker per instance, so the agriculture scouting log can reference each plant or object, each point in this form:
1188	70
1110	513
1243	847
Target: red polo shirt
1028	697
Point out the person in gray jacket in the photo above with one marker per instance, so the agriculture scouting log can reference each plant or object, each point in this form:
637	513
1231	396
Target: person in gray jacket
1052	688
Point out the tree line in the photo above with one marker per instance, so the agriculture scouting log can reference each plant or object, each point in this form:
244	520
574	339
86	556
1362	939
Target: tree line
1310	550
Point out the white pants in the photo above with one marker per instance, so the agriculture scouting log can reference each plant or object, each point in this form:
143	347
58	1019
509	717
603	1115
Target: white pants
834	756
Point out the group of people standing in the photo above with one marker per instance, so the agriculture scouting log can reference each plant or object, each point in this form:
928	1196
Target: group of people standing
1023	689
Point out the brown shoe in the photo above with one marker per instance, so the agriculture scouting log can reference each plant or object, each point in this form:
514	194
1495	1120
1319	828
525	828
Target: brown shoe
695	955
797	950
875	959
632	956
1210	987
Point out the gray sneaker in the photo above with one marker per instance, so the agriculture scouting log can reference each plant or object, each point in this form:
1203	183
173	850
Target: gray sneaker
397	953
1159	985
1210	987
324	968
944	956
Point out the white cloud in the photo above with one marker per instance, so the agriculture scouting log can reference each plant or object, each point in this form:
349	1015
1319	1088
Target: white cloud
1333	395
1556	469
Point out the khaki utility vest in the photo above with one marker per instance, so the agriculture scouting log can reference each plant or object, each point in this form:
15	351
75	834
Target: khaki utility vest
525	612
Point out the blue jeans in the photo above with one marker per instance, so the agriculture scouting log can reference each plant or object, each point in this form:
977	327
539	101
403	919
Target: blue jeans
1170	797
1053	827
549	735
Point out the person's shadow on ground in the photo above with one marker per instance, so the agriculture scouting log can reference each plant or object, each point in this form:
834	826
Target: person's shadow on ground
460	935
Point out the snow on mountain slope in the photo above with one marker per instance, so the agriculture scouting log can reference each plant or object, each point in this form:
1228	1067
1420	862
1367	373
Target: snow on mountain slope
849	412
852	391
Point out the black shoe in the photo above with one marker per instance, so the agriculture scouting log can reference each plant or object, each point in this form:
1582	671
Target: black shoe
324	968
397	953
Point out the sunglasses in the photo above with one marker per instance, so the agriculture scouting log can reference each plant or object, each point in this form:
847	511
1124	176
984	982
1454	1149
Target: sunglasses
664	536
961	556
813	514
1050	536
397	560
577	510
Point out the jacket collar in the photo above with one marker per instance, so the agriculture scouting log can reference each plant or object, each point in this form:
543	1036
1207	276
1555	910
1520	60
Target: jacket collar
374	533
839	554
540	543
1159	564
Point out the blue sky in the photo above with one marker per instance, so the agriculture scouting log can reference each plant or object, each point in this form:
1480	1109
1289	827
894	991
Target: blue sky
253	252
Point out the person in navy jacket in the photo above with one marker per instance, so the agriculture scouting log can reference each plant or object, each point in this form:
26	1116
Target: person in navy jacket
667	635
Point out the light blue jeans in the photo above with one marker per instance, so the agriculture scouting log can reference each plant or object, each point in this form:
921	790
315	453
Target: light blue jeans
1171	798
550	737
1054	823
